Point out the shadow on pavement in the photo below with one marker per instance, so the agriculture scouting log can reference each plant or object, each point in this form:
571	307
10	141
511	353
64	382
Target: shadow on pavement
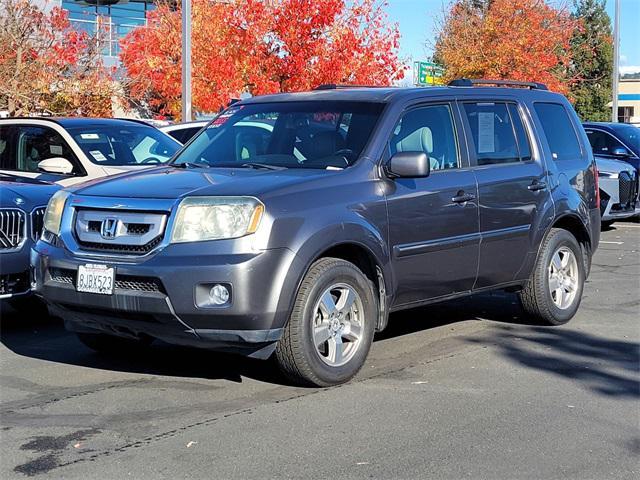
606	366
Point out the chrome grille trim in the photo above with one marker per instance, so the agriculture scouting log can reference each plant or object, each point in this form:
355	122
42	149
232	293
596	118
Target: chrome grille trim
13	229
37	222
87	219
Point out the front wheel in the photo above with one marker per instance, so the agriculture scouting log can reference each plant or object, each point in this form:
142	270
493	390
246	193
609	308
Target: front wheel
331	327
554	290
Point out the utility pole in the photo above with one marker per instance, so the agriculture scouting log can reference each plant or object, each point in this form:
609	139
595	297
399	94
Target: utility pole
616	56
186	61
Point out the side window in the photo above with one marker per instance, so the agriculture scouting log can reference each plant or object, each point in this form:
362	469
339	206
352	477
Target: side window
559	131
7	159
35	143
602	143
494	128
430	130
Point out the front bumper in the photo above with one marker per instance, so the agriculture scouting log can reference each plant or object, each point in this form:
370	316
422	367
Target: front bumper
14	272
157	296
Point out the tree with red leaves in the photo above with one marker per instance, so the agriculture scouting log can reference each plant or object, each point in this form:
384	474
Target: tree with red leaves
260	47
47	67
526	40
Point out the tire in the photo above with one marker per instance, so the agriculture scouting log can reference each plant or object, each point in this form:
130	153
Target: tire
111	344
555	307
346	318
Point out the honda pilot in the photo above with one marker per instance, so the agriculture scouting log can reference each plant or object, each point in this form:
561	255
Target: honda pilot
293	224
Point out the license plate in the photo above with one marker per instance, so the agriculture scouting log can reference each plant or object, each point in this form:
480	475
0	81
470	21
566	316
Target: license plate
95	279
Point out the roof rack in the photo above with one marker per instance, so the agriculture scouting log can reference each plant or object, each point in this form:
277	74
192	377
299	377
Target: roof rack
337	86
468	82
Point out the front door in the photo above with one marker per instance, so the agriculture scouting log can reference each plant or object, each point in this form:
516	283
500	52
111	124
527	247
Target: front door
433	221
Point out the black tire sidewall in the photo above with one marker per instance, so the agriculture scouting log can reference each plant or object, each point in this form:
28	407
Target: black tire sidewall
560	239
350	275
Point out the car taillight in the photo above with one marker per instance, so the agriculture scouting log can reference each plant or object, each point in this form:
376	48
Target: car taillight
596	174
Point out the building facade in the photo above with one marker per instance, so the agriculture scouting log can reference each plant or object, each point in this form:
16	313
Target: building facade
629	101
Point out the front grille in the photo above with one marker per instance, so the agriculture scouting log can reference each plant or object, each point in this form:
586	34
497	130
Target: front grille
37	222
12	222
123	282
126	249
119	232
626	187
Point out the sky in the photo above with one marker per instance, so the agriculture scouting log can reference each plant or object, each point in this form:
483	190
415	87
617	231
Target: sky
417	19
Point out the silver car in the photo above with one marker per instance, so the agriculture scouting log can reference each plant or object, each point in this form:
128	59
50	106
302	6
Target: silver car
618	190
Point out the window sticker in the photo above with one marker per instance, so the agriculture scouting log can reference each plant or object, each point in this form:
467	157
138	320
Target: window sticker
89	136
486	136
97	154
55	149
224	116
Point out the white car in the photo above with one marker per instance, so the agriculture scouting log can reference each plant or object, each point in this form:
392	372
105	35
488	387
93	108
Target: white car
72	150
183	132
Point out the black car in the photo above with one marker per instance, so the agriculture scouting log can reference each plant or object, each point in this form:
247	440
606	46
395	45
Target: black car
615	141
300	238
22	206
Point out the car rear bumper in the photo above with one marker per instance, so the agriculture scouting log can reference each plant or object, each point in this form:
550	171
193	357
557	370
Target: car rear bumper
160	297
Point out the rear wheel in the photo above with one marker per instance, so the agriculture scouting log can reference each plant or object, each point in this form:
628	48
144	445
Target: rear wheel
331	327
103	343
554	290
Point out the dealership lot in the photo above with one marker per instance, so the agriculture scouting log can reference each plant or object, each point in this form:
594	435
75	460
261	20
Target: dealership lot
463	389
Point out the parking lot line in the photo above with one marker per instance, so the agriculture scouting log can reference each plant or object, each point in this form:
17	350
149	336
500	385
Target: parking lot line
612	243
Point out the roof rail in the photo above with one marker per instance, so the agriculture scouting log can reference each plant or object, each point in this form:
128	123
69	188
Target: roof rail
337	86
468	82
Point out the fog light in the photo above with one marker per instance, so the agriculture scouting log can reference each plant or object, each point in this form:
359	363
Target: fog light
219	294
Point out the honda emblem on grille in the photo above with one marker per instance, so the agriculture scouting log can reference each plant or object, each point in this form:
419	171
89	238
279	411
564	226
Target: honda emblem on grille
109	228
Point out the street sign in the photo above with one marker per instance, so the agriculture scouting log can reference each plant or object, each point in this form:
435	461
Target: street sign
427	73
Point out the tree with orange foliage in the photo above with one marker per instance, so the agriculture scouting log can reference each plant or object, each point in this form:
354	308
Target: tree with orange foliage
48	67
527	40
259	47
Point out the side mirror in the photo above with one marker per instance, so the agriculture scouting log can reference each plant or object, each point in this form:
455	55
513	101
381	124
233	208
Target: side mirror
409	165
620	152
56	165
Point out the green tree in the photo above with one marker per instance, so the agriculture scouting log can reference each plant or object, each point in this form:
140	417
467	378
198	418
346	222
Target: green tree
592	65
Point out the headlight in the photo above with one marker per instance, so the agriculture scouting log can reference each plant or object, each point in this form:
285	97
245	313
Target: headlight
53	213
214	218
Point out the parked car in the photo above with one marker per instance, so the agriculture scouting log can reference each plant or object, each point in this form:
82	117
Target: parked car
396	198
72	150
616	147
615	141
22	206
183	132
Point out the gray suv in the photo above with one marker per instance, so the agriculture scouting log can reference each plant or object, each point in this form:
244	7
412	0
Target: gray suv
294	224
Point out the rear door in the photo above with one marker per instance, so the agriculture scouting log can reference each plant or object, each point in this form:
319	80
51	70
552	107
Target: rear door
433	221
512	187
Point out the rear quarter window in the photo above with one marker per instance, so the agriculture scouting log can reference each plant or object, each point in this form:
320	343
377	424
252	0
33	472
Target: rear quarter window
561	135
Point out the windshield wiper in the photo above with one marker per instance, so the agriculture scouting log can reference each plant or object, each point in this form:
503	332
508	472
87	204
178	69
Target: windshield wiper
264	166
188	165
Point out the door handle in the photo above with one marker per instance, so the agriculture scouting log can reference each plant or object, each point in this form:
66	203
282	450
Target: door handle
463	198
535	186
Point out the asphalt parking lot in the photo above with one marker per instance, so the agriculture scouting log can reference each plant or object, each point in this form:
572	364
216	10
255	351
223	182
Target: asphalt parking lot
465	389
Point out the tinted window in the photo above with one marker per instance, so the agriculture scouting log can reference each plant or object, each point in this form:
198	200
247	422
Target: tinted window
559	131
494	130
429	130
602	143
289	134
7	160
184	134
35	143
629	135
135	144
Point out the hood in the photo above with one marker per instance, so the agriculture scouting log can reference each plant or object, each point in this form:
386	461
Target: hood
173	183
25	193
613	166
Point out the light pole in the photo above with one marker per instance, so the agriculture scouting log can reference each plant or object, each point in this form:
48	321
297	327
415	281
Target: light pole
616	56
186	61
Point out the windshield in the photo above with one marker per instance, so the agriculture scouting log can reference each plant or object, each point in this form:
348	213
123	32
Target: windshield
629	135
325	135
134	144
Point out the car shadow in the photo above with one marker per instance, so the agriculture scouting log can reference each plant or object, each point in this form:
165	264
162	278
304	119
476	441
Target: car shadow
606	366
43	337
